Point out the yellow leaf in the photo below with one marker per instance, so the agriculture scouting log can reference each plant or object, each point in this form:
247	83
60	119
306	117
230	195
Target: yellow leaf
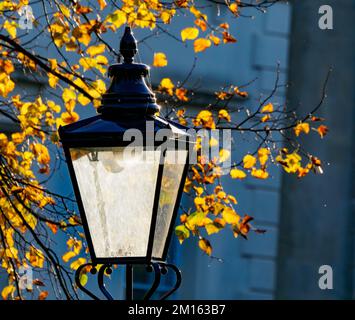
189	33
230	216
259	173
223	114
95	50
65	10
216	41
167	86
68	94
3	140
17	138
10	27
160	60
7	291
199	190
249	161
77	263
201	44
83	100
268	108
237	174
205	246
41	152
263	155
211	228
301	127
233	7
67	256
83	278
117	18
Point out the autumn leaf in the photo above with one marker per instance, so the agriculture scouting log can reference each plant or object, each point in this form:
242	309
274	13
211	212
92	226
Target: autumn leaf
228	38
233	7
160	60
35	257
181	94
265	118
202	24
230	216
216	41
117	18
301	127
10	27
205	118
249	161
69	117
167	86
237	174
182	233
102	4
189	33
205	246
69	255
53	227
77	263
268	108
8	290
43	295
223	114
263	155
322	130
83	278
259	173
95	50
201	44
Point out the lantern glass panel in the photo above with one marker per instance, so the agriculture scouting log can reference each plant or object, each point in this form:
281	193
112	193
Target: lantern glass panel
174	164
117	187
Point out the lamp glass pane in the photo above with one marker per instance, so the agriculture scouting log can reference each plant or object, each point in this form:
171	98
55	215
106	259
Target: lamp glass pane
117	187
174	163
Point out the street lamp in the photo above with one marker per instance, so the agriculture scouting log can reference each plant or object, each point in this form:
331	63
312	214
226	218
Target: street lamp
128	192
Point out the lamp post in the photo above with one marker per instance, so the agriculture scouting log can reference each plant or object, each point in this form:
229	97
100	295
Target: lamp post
128	193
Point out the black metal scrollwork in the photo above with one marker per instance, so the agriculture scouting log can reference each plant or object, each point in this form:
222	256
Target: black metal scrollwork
159	269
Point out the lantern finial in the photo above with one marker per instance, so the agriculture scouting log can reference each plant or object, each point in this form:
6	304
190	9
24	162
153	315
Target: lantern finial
128	45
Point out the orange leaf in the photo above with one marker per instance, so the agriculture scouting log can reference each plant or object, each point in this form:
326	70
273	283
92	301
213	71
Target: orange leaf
201	44
322	130
268	108
43	295
160	60
301	127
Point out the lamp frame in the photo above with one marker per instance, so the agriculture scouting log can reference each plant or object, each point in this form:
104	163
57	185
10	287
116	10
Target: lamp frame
148	258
